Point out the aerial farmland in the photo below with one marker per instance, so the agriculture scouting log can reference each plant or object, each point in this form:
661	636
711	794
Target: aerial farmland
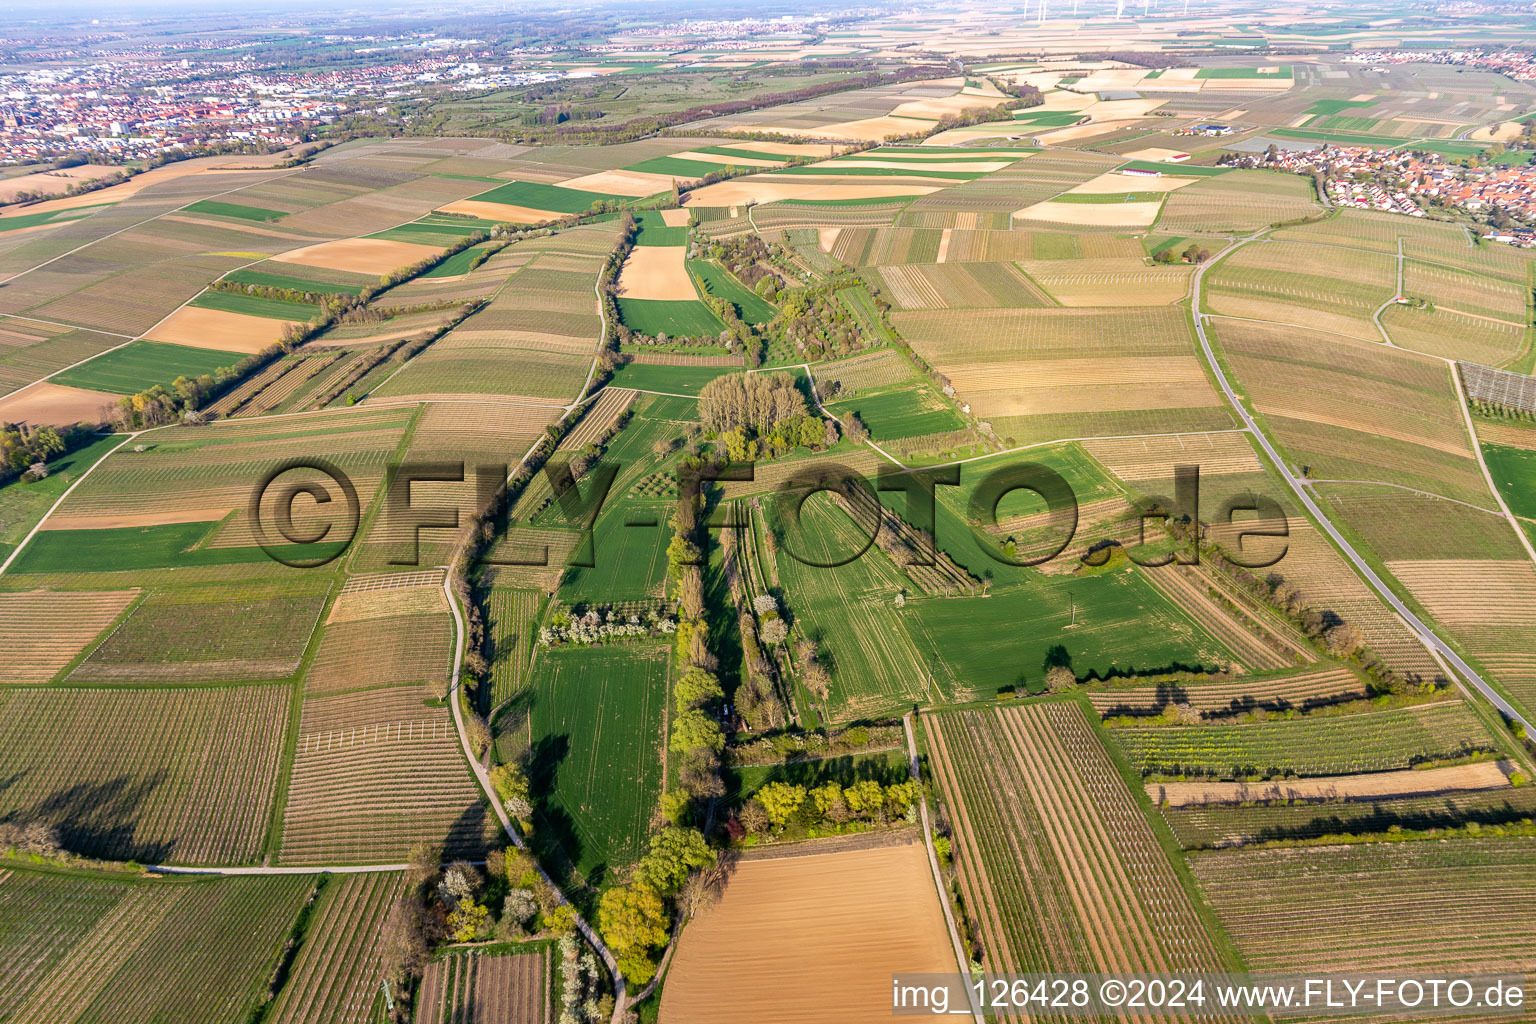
631	514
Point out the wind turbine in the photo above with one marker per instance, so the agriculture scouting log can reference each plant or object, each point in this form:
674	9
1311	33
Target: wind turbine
1119	9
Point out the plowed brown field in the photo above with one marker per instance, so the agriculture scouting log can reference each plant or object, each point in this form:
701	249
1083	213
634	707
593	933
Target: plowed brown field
814	938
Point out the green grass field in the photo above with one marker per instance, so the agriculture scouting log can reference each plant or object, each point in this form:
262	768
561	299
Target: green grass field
1344	123
849	610
458	263
746	154
885	767
681	169
909	411
1330	107
236	210
1105	624
1177	170
143	364
436	229
861	304
1514	471
1047	118
672	380
32	220
630	561
22	504
299	284
131	548
712	279
596	722
546	197
686	317
253	305
1342	138
654	230
1284	72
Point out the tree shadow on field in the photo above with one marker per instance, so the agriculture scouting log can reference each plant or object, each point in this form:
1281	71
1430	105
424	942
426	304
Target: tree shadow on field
556	840
507	727
470	833
100	819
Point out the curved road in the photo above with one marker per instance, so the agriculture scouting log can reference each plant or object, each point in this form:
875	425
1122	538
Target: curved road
1426	635
587	931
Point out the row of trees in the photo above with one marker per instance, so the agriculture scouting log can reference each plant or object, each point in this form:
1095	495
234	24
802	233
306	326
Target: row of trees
160	405
1327	630
782	805
634	917
758	700
603	133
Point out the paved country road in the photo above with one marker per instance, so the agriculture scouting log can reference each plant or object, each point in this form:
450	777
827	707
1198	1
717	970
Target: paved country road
1426	635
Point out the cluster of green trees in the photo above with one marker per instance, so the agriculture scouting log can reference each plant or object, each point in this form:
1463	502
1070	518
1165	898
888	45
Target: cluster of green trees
816	323
1194	252
761	415
608	280
802	746
758	700
744	256
781	805
1500	411
634	918
159	405
25	450
509	901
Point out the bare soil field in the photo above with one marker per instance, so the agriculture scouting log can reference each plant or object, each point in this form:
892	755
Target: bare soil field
802	939
381	602
675	218
621	183
45	403
656	272
217	329
136	184
1157	154
51	182
1113	181
1098	215
359	255
500	211
1373	785
118	520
